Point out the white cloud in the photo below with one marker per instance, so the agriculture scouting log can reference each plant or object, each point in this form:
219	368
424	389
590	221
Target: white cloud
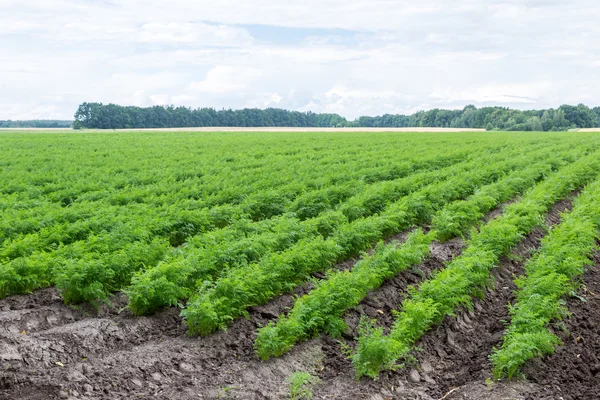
265	101
352	57
224	79
526	93
193	33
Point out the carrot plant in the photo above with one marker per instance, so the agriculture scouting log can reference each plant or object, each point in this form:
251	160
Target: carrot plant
467	275
550	276
322	308
178	223
215	305
172	281
161	214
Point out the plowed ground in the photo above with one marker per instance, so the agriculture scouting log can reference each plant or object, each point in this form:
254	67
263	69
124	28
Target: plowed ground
49	350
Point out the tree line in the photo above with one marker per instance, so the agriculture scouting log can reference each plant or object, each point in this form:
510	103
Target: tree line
113	116
36	123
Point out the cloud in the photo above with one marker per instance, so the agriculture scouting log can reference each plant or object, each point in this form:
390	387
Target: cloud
193	33
223	79
526	93
352	57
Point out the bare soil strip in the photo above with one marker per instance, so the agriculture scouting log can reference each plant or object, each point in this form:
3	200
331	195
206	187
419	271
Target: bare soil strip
573	372
456	353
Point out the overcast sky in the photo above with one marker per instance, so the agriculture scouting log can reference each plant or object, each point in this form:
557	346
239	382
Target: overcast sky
352	57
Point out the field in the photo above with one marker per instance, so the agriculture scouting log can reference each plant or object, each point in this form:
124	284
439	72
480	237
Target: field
276	265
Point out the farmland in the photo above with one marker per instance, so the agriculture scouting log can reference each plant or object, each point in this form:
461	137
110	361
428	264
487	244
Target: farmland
227	264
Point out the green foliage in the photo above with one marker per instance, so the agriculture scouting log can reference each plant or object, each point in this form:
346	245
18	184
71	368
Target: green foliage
247	286
301	384
209	255
112	116
467	275
457	218
549	277
322	309
36	123
167	217
375	350
96	275
71	200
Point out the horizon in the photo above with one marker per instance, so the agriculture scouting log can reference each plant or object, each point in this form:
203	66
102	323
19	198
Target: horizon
307	111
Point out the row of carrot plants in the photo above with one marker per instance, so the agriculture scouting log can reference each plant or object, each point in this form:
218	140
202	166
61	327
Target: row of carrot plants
56	202
216	304
32	268
85	270
467	275
211	255
322	309
178	220
550	276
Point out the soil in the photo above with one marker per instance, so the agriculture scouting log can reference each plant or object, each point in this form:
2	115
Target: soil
51	351
573	371
454	356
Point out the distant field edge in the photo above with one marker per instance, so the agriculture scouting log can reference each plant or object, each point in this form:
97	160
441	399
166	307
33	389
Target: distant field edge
256	129
585	130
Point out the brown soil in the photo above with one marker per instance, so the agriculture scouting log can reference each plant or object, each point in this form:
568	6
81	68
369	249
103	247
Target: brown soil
573	372
457	352
49	350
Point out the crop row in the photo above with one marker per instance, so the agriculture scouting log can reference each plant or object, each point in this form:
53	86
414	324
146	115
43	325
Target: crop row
68	200
216	304
33	269
549	277
211	255
467	275
178	220
69	194
322	309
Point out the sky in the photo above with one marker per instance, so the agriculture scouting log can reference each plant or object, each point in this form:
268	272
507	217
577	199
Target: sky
351	57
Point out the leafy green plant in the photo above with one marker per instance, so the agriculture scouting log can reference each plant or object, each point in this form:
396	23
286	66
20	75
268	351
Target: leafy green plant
549	277
322	309
467	275
254	284
301	384
167	216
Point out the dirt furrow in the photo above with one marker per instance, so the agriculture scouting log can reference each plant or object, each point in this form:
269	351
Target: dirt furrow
453	355
109	354
458	351
573	371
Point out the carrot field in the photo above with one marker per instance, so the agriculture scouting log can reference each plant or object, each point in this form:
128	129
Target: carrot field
275	265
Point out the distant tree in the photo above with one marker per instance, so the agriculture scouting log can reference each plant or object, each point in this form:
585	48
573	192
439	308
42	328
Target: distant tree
578	116
112	116
36	123
596	112
535	124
